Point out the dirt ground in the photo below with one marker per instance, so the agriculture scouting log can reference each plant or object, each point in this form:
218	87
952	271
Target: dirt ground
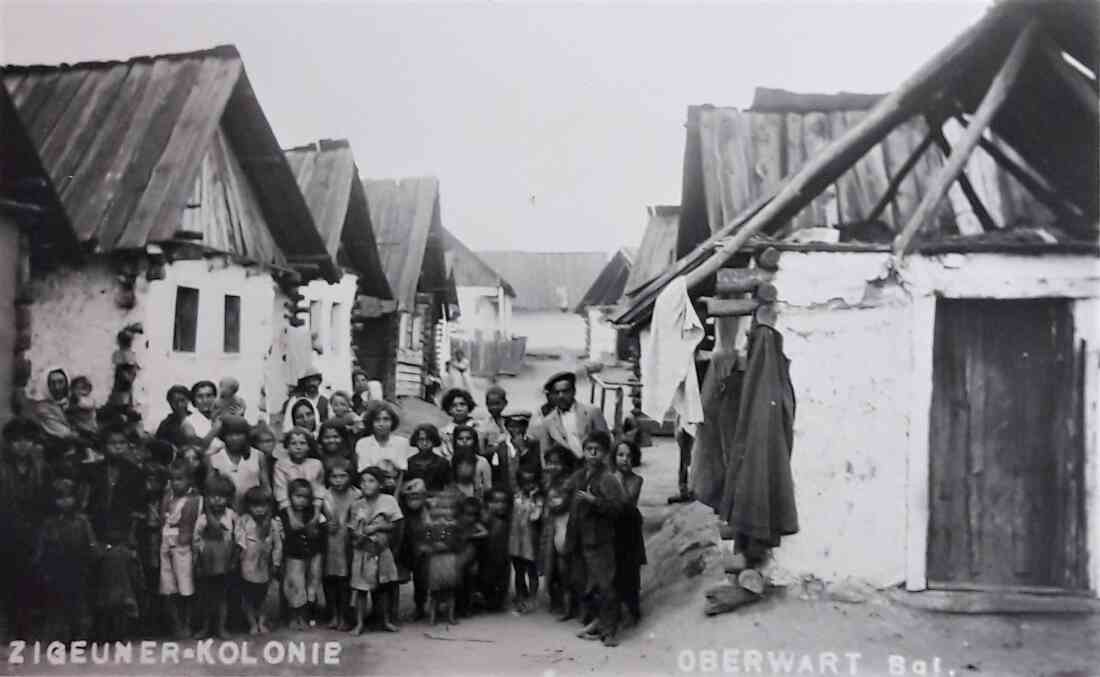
803	630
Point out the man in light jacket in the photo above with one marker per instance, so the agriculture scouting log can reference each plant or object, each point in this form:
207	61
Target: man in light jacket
570	421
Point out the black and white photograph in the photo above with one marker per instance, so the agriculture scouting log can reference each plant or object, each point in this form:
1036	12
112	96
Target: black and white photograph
544	338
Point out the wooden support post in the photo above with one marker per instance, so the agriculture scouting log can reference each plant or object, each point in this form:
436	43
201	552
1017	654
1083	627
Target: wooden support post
619	410
988	224
991	103
741	280
899	177
729	307
1077	82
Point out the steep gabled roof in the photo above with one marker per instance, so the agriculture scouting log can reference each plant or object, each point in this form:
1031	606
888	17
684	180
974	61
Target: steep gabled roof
329	180
1045	136
409	232
468	269
26	188
658	249
607	288
547	280
125	141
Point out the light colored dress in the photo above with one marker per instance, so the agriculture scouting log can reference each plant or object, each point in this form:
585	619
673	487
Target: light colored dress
338	507
523	534
258	554
391	456
372	563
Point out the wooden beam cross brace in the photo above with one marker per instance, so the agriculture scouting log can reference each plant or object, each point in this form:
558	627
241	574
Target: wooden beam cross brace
897	179
988	224
992	101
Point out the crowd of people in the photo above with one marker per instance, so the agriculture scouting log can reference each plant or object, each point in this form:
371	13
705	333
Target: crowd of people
213	524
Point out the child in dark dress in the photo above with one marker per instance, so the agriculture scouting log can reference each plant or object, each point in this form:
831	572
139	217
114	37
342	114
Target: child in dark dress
63	558
524	539
472	537
411	554
425	464
494	567
629	539
303	545
148	543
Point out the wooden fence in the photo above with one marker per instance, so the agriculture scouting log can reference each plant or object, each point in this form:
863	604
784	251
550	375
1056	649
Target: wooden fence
491	355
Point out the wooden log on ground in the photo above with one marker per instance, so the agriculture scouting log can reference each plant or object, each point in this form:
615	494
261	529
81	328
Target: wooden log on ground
729	307
726	598
992	101
768	259
741	280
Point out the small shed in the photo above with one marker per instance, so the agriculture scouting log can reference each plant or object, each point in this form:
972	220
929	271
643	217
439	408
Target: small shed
944	352
329	179
191	219
484	296
600	338
402	349
548	287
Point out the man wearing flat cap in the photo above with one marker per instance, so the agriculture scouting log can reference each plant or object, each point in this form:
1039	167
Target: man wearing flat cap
570	421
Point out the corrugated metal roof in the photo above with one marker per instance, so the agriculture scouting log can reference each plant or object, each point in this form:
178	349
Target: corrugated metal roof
409	232
26	188
545	280
607	288
658	249
124	141
468	269
329	179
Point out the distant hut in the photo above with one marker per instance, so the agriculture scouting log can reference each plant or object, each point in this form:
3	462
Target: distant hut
943	349
548	286
34	231
195	229
329	179
405	348
484	296
600	338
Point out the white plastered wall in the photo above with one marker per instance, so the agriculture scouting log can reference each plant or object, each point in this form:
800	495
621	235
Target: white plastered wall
859	336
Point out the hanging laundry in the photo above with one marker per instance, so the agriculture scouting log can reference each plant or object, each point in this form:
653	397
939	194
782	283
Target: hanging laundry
758	491
721	395
669	379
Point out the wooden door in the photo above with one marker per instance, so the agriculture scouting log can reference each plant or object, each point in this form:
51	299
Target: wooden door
1007	447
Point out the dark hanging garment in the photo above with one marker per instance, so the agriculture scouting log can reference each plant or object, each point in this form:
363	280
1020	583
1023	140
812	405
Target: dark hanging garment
758	493
721	394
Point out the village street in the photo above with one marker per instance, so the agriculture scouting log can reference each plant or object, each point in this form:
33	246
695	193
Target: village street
856	630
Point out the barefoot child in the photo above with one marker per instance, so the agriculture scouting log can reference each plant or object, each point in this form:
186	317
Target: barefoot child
557	563
373	517
148	542
629	539
179	512
342	495
259	539
304	542
524	539
494	566
411	556
63	557
213	546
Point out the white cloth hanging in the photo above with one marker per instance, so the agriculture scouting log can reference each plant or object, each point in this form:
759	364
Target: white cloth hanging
669	379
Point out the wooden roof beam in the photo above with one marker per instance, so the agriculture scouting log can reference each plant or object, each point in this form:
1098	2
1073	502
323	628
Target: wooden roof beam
976	203
895	181
1074	79
1035	182
994	98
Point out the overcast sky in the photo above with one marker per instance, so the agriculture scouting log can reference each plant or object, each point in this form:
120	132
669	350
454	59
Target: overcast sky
550	127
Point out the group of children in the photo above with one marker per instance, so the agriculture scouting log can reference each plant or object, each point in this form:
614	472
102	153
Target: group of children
323	525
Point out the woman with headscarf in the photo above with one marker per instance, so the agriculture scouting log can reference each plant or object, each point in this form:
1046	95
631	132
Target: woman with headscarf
51	413
303	415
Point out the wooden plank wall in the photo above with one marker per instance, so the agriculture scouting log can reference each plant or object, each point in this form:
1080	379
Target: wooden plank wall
745	154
